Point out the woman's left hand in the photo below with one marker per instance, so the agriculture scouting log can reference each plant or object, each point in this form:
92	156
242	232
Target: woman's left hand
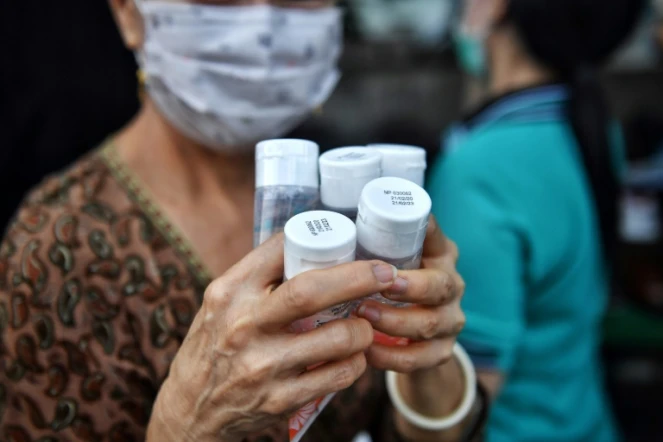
434	320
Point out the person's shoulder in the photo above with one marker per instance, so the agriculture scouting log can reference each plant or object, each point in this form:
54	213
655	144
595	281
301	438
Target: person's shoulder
471	159
503	150
76	266
57	218
502	140
69	187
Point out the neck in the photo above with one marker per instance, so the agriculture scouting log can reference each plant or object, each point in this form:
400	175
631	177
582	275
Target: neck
511	67
166	158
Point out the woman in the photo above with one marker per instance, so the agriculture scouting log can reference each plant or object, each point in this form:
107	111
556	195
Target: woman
108	332
528	189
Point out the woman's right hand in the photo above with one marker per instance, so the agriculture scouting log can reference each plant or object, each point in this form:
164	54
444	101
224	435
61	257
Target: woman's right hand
240	371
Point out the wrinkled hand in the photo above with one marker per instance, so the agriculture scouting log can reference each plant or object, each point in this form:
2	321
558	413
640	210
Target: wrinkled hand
435	319
239	371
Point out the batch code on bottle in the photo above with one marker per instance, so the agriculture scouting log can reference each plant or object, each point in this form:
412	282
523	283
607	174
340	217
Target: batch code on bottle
400	198
351	156
318	226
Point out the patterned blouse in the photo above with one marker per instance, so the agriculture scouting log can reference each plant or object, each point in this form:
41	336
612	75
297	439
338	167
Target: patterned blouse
97	291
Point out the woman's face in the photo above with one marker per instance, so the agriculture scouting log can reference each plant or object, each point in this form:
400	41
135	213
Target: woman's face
130	22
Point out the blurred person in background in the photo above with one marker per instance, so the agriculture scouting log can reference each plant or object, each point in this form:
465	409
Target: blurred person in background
108	330
528	188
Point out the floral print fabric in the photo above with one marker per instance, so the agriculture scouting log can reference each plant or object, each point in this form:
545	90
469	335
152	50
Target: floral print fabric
97	292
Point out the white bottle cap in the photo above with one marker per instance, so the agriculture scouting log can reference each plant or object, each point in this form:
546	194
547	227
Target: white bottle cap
393	217
344	172
402	161
287	162
318	240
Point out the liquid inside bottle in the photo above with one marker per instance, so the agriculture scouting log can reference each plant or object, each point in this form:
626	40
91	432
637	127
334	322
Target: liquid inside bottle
275	205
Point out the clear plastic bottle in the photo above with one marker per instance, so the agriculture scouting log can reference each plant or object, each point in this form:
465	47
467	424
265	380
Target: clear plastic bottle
391	224
319	240
286	184
343	174
403	161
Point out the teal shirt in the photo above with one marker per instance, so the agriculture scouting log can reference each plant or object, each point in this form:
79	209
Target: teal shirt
514	196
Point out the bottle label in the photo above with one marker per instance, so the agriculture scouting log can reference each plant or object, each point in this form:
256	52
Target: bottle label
305	416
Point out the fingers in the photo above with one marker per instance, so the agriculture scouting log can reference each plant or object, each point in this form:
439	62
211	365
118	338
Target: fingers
425	287
435	243
264	265
295	393
414	322
260	269
416	356
335	341
316	291
335	376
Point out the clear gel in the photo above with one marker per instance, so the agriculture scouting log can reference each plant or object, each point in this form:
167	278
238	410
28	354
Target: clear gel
275	205
408	263
286	184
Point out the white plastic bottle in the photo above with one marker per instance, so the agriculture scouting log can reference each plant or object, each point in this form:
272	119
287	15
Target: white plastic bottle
319	240
286	184
402	161
343	174
391	223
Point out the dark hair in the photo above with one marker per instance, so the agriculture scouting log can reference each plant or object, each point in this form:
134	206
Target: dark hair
574	38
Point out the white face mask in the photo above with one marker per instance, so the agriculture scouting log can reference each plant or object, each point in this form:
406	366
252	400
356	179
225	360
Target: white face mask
229	76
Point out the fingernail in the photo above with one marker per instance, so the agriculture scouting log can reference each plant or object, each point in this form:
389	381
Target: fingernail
370	313
385	273
399	287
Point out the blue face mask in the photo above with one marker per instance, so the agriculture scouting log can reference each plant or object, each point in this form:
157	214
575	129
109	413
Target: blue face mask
471	53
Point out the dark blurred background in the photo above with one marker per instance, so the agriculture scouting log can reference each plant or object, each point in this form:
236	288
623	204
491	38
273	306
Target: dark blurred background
66	83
